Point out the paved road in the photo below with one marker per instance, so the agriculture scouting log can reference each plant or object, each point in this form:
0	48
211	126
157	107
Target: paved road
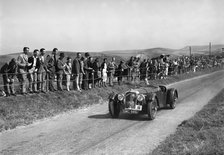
92	131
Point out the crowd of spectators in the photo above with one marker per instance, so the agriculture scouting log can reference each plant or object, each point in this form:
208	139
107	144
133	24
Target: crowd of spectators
38	73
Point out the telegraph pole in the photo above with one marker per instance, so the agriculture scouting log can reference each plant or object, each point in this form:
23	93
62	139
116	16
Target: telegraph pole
210	49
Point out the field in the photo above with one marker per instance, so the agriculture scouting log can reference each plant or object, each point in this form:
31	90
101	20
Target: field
202	134
23	110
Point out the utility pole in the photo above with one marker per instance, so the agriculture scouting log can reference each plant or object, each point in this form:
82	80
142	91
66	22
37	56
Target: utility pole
210	49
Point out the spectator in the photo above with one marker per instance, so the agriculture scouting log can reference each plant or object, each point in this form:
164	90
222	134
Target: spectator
22	69
135	69
32	76
4	72
143	71
130	64
76	71
68	72
42	72
104	71
166	67
120	71
60	71
97	74
111	71
87	70
91	72
12	70
52	67
175	64
155	68
82	73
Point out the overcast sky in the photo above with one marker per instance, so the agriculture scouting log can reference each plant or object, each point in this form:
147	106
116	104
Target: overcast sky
98	25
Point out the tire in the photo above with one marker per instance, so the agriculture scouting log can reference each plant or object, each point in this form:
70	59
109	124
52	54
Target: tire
152	109
114	109
172	99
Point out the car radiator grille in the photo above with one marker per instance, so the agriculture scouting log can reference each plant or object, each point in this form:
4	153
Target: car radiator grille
130	99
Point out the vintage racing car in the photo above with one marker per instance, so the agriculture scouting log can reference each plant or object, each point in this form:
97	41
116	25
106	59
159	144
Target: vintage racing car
143	100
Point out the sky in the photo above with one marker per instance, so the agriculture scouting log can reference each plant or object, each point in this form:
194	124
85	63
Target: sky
99	25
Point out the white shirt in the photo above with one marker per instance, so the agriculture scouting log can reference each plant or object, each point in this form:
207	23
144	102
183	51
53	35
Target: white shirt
34	61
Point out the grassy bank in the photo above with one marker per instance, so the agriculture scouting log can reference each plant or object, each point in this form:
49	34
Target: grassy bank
23	110
202	134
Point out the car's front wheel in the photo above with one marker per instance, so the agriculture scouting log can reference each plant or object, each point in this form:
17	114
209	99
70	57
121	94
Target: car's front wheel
114	109
152	109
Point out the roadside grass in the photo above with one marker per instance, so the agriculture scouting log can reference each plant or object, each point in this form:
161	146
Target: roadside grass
203	134
24	110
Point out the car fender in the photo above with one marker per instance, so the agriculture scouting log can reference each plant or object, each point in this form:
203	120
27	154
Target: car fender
112	96
151	97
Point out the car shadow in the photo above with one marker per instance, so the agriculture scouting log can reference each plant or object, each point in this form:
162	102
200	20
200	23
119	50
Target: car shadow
125	116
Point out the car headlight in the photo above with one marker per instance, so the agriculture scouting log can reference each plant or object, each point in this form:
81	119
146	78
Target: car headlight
120	97
140	97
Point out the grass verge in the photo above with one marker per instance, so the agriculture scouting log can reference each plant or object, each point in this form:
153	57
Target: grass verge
203	134
23	110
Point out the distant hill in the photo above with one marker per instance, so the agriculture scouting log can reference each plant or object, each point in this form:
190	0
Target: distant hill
154	52
203	49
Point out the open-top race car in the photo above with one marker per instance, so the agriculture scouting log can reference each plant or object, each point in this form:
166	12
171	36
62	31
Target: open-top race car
143	100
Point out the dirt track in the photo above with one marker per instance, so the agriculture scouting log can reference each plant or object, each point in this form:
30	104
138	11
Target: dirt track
92	131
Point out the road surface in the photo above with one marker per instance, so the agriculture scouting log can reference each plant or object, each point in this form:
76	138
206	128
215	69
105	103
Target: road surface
92	131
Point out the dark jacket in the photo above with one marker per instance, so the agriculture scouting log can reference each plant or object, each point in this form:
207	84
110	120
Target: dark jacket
31	60
12	69
76	67
52	65
60	66
4	70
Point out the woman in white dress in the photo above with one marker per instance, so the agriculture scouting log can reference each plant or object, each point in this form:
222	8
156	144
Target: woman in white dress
104	72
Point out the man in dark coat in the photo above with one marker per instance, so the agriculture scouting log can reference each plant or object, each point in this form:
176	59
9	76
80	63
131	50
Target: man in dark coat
52	67
97	72
120	71
143	69
76	68
12	71
87	70
8	72
32	71
4	72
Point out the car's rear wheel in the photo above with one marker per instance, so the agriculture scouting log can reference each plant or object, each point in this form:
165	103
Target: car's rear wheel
114	109
173	99
152	109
